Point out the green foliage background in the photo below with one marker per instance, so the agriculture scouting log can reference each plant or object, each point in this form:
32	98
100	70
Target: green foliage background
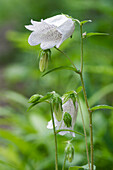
25	142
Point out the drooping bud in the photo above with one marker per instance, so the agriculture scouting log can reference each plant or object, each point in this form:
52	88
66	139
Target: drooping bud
69	151
43	63
44	57
57	106
67	119
34	98
70	95
73	97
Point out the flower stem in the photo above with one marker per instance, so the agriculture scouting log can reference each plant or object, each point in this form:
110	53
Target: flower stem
90	115
81	49
86	101
67	58
55	137
84	132
64	163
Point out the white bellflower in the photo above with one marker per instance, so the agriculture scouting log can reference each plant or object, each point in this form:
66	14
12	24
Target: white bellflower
70	108
50	32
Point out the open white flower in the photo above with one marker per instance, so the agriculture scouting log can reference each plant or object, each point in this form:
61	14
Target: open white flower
70	108
50	32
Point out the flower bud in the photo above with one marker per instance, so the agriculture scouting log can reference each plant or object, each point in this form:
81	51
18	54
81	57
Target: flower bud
57	107
34	98
69	151
43	63
67	119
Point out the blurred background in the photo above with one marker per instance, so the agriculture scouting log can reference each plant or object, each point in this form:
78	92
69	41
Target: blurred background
25	142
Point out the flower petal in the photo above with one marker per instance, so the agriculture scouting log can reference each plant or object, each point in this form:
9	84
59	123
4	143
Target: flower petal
35	27
57	20
50	125
65	132
34	39
66	29
30	27
46	34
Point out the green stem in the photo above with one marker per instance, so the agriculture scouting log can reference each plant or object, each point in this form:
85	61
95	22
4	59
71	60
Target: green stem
84	132
80	73
55	137
67	58
64	163
90	119
81	49
86	101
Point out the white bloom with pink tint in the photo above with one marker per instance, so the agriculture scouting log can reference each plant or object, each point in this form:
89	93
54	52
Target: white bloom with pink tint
50	32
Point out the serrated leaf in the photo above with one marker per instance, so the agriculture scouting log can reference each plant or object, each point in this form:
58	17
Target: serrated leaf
60	68
93	34
84	22
101	107
79	89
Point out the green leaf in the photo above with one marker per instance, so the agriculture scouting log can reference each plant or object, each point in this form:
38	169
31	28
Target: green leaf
85	167
70	94
61	130
79	89
31	106
93	34
46	97
84	22
101	107
43	99
60	68
75	167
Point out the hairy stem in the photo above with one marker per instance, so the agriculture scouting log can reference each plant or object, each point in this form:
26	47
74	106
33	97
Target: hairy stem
86	101
84	132
55	137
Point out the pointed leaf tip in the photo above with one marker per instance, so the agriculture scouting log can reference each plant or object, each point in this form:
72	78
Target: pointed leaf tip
93	34
101	107
85	21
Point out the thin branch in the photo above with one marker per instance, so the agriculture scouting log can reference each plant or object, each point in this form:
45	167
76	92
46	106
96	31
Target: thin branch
68	59
84	132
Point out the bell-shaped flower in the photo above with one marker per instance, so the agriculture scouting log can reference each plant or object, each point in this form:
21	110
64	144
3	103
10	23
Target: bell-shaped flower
69	108
50	32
